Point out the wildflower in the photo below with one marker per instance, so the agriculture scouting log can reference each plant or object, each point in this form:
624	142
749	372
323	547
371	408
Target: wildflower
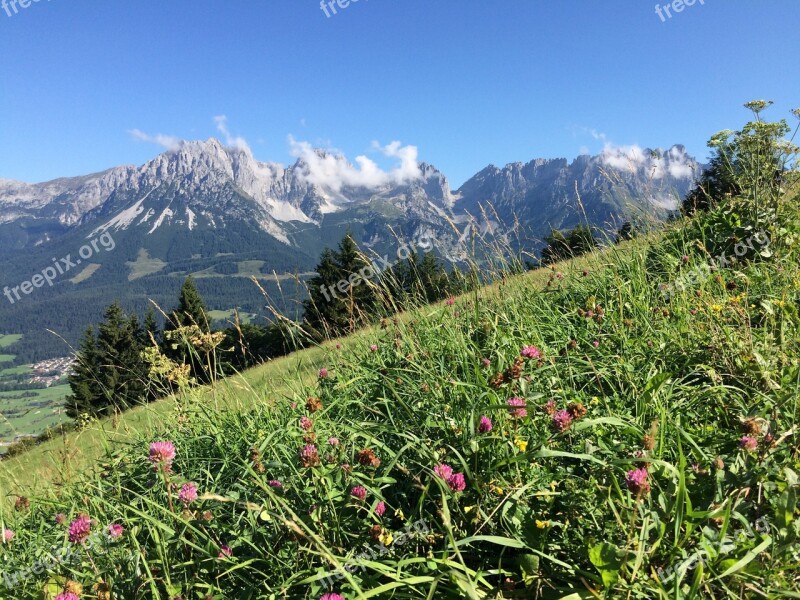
716	308
380	508
748	443
596	343
338	346
274	483
373	348
485	425
450	301
225	552
375	532
313	404
486	362
367	458
61	518
162	453
188	493
530	352
359	492
309	456
79	529
103	590
8	535
576	410
444	471
456	482
323	373
386	538
562	420
67	596
306	423
542	524
517	406
550	407
331	596
22	504
115	531
515	370
751	426
333	441
636	480
684	259
522	445
73	587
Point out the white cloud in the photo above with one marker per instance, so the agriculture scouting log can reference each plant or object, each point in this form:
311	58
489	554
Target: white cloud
165	141
230	140
333	171
656	164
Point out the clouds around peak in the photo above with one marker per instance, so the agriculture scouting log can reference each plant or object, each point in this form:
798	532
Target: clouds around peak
230	140
657	164
168	142
329	169
333	171
171	142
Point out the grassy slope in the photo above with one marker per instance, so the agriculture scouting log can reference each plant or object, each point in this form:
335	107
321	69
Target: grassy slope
551	508
60	460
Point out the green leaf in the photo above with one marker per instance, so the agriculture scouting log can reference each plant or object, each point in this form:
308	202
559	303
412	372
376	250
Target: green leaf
606	559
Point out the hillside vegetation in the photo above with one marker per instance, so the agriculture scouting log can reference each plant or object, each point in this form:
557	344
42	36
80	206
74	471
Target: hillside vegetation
627	428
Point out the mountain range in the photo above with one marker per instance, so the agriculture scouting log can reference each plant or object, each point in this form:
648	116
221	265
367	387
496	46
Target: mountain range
215	212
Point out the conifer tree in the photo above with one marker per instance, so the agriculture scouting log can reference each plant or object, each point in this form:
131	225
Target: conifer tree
83	378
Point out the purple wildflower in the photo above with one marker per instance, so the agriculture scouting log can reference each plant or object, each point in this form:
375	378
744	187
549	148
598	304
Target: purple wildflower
485	425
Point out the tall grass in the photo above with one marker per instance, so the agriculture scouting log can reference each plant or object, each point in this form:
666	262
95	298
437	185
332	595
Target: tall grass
668	385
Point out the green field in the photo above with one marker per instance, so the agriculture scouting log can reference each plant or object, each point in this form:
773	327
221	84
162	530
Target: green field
27	411
7	339
230	316
30	415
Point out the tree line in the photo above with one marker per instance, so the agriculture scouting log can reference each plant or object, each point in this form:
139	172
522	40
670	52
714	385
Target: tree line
127	361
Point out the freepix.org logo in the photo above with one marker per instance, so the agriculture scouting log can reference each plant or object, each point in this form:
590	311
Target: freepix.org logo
15	5
59	267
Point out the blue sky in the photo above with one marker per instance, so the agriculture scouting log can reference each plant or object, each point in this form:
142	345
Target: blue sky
467	82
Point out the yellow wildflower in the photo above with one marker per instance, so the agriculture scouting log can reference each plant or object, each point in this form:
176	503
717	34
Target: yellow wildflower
386	538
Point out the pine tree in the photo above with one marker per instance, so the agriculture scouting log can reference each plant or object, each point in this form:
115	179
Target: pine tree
190	312
150	332
191	309
360	298
83	378
110	373
340	299
324	310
